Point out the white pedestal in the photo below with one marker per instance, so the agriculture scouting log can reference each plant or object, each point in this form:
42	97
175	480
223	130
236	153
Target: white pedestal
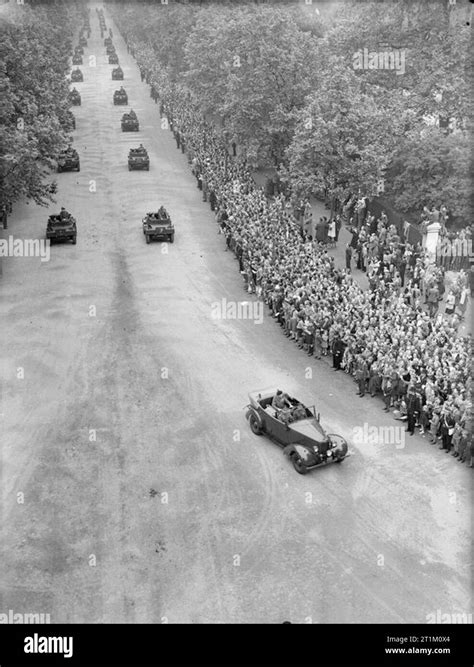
432	234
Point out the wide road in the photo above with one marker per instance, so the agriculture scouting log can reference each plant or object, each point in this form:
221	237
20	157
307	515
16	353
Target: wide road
132	487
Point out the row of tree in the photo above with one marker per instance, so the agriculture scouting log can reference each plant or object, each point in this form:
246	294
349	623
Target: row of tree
35	121
293	87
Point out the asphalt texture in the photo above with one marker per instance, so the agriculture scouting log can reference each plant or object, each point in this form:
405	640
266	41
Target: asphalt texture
132	487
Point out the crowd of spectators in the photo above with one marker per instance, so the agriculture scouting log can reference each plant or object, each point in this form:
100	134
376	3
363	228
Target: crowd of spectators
389	338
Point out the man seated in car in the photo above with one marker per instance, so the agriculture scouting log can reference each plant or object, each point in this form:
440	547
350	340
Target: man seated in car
299	412
282	405
278	402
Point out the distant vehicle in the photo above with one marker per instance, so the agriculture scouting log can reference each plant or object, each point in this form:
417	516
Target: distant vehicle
117	74
113	59
129	123
107	41
77	59
69	160
295	428
77	75
83	41
75	98
158	226
61	227
120	97
138	159
110	50
79	50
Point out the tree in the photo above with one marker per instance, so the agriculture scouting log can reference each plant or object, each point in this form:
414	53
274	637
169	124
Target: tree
431	168
253	67
34	121
342	139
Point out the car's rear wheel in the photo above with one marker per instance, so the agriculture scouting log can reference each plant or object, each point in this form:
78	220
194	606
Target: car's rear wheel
74	240
254	425
298	464
147	236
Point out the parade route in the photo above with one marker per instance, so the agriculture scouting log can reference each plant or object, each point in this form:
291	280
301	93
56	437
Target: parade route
133	490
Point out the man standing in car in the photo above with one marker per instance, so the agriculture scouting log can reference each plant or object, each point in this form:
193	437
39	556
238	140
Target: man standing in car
413	402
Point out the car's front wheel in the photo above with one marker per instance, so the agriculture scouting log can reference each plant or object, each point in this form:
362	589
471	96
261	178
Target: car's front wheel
298	464
254	425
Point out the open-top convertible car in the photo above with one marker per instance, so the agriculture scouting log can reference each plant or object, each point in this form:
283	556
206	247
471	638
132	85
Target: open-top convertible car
113	59
69	160
107	41
79	50
82	40
120	96
158	226
110	50
61	227
129	123
295	428
138	159
117	74
77	59
77	75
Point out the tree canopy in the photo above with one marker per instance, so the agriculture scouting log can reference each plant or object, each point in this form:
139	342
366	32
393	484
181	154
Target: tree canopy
35	46
281	80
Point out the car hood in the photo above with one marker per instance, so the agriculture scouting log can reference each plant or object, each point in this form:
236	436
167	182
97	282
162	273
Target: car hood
309	428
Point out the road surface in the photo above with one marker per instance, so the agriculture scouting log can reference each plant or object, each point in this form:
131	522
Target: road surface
132	487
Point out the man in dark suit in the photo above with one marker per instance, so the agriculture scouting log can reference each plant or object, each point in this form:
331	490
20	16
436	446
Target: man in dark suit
361	375
337	352
413	409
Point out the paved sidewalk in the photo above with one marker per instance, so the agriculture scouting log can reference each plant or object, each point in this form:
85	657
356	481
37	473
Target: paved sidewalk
319	209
